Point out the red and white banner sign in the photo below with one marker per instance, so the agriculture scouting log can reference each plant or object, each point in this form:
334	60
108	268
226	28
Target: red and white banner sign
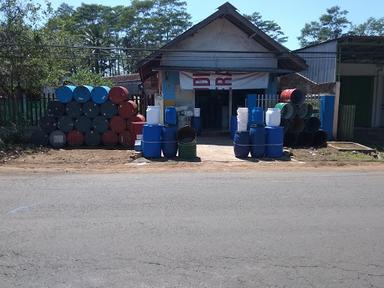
213	81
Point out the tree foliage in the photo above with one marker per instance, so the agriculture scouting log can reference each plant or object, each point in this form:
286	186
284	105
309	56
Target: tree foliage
371	27
271	28
331	25
21	52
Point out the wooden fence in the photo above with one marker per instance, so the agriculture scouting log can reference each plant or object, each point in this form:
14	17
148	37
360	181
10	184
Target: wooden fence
23	111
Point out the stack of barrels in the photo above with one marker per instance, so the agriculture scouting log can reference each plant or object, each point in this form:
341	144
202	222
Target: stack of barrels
258	137
90	116
301	128
159	138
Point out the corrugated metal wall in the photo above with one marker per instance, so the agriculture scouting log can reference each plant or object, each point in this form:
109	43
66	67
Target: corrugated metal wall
321	60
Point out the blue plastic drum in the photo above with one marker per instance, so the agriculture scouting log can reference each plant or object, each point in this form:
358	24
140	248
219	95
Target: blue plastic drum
65	93
274	137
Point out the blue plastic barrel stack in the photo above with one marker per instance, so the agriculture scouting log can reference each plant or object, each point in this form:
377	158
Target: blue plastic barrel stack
169	133
241	144
151	142
168	142
260	140
85	113
274	141
257	132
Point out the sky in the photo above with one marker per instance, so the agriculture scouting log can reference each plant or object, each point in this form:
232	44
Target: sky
291	15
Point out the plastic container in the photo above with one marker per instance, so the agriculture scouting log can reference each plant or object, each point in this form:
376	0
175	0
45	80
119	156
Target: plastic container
295	96
256	117
74	109
170	116
65	93
169	142
233	126
242	119
196	112
100	124
241	144
153	115
118	94
108	109
92	138
118	124
257	141
65	124
186	138
83	124
75	138
151	143
287	110
82	93
274	139
196	124
99	94
312	125
91	109
57	139
273	117
109	138
127	109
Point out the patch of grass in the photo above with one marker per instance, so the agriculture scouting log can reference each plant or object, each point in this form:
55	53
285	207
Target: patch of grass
330	154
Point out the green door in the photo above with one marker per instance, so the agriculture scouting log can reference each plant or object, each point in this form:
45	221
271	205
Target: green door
358	91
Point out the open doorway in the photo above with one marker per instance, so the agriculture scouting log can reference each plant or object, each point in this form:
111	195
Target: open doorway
214	111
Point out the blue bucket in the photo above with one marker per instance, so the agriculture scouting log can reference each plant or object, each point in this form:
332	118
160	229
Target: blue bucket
82	93
65	93
170	116
257	140
151	142
274	138
241	144
169	142
99	94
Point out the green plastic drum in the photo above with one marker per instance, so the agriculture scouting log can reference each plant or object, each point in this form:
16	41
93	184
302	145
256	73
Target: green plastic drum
287	110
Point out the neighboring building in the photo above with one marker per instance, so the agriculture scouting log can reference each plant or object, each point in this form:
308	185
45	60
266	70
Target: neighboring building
215	64
357	64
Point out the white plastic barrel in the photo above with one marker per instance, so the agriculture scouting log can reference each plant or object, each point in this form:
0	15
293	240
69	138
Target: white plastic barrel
242	119
153	115
196	112
273	117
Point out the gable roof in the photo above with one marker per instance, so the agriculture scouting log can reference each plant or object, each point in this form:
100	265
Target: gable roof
286	59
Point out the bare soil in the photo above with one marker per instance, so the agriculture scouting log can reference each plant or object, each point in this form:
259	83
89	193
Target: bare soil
212	157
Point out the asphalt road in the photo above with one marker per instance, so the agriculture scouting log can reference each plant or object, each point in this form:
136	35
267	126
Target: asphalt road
249	229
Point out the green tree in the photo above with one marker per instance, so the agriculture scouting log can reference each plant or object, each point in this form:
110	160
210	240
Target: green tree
21	49
151	24
371	27
270	27
331	25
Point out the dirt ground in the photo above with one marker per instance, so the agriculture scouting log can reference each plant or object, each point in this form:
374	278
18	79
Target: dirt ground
213	155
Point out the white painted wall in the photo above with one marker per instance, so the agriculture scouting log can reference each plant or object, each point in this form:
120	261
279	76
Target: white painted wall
220	35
